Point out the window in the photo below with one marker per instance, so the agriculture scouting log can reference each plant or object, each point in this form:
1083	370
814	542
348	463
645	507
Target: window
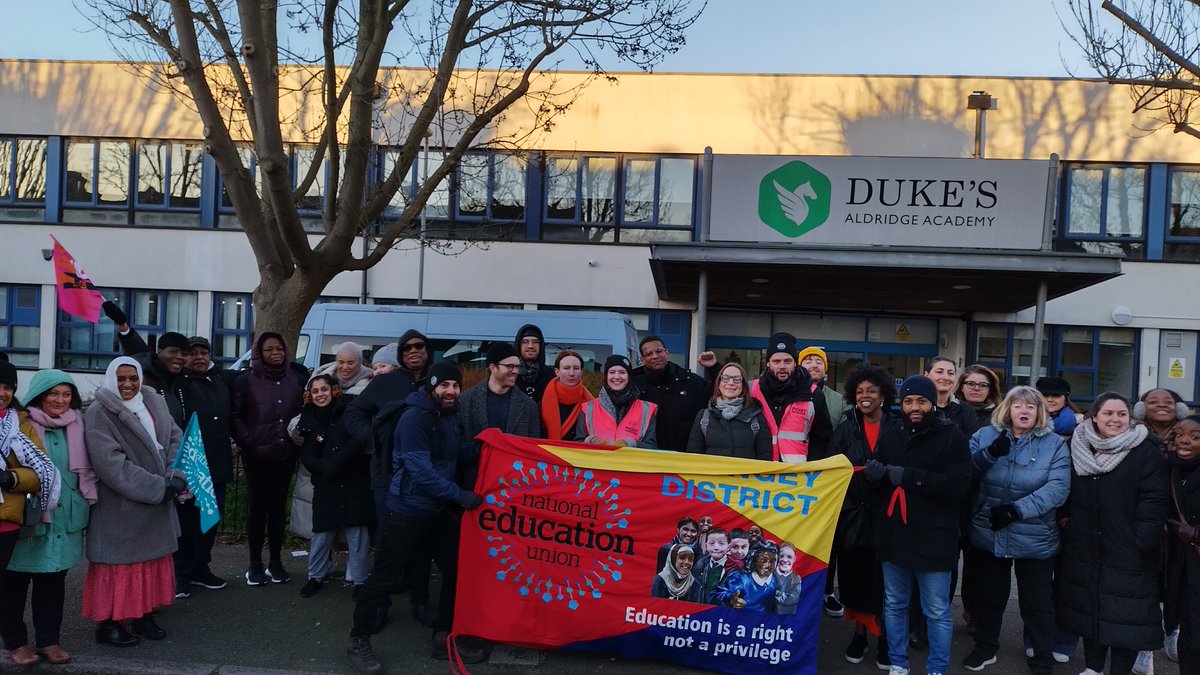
168	180
97	181
226	218
20	318
151	183
647	199
233	326
23	178
1105	210
1183	228
86	346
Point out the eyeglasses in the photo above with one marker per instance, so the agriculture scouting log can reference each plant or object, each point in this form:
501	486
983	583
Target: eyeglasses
654	352
976	385
413	347
510	367
736	379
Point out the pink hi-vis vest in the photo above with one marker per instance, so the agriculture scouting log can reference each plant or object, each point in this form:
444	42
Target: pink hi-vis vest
789	439
632	427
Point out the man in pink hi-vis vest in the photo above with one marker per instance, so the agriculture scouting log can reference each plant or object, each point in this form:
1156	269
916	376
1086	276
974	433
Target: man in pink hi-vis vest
799	421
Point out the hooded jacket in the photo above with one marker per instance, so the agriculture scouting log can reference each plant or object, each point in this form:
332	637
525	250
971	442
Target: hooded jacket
745	436
264	401
1034	477
533	380
679	394
428	450
360	413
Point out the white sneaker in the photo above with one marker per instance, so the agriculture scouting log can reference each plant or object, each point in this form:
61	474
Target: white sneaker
1172	646
1060	657
1029	652
1089	671
897	670
1144	664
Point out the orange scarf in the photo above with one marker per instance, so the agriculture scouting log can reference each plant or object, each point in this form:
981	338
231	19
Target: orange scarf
557	393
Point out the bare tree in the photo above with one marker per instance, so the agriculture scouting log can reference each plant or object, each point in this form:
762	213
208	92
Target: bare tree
1151	45
242	67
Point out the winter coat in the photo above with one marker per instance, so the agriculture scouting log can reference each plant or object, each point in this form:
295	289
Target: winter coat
340	478
799	389
12	509
679	395
917	523
130	522
429	446
208	396
359	417
533	382
1108	588
524	418
1182	597
154	375
834	404
961	415
57	545
1035	477
263	404
856	523
745	436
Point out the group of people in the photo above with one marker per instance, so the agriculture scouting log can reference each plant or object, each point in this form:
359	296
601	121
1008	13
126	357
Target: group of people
1098	514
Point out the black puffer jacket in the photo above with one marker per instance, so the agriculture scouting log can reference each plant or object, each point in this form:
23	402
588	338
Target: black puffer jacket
921	530
679	395
1112	548
533	381
961	415
340	477
1182	598
850	439
209	397
746	435
265	399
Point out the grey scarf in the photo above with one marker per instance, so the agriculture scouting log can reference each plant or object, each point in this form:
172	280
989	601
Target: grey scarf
1092	455
729	409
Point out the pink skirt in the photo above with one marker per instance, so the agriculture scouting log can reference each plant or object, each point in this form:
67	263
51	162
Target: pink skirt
119	592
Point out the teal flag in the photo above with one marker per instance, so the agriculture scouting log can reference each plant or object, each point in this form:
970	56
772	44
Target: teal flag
191	462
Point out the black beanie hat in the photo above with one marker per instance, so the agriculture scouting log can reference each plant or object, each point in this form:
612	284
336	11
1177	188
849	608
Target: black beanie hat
782	342
443	370
617	360
499	351
173	339
1053	386
919	385
8	375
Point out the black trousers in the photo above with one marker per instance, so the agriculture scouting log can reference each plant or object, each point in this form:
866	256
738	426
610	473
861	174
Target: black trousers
267	486
1121	659
8	542
399	538
49	593
1034	596
195	547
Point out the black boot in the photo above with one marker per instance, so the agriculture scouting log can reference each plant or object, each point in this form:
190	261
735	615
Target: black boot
112	633
145	626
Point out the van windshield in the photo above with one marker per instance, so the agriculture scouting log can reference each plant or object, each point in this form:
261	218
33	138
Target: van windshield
467	353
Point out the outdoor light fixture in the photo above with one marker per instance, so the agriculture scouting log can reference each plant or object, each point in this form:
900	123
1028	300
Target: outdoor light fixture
980	102
47	254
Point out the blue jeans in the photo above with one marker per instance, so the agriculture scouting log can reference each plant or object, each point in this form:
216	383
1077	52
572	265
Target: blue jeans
934	589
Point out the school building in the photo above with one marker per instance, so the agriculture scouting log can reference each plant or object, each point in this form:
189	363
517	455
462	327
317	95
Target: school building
846	210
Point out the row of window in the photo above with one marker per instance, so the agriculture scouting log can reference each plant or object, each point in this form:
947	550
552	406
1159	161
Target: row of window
490	195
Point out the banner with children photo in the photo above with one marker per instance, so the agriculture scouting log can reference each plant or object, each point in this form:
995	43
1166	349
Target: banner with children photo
712	562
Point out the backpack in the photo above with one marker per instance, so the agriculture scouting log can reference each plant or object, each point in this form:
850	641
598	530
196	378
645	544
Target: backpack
383	431
754	425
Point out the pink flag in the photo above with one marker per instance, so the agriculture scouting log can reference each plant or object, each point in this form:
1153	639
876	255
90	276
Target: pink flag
76	294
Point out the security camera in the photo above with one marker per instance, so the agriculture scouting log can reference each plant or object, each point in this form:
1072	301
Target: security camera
47	254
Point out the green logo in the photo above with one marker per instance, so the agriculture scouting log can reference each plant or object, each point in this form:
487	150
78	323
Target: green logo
794	199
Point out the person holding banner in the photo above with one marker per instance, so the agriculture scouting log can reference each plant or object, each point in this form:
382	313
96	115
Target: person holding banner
732	423
47	550
797	417
131	442
618	416
868	430
563	399
918	490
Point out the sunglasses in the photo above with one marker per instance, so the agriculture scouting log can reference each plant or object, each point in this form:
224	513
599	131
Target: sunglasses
413	347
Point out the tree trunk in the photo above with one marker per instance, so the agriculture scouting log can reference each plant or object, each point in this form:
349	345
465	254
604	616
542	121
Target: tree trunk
281	303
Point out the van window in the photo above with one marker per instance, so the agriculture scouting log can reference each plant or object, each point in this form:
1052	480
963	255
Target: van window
466	353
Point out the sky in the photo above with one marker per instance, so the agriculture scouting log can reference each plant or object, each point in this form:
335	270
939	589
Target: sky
875	37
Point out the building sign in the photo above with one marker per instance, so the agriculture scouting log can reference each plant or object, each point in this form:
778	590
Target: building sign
879	201
599	549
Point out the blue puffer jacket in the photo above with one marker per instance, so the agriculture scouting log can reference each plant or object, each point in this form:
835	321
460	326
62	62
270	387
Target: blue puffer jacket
428	453
1035	476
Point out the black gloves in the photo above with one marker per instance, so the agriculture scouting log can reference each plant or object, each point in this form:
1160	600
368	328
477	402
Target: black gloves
113	312
471	500
874	471
1002	516
8	480
895	474
175	485
1000	447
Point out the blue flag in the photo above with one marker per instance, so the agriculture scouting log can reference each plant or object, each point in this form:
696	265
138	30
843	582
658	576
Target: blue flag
191	461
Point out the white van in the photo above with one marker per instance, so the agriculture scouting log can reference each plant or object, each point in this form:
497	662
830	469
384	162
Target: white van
461	334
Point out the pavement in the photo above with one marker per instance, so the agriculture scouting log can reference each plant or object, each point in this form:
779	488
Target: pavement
271	630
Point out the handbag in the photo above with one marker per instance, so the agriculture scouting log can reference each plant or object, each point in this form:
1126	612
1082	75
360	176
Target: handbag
33	516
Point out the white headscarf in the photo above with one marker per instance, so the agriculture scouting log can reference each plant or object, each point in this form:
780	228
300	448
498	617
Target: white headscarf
136	405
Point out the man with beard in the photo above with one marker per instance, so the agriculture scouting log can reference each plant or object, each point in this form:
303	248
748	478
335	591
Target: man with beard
798	419
679	394
422	507
534	375
919	489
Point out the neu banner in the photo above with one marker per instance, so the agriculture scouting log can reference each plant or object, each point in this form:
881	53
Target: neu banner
580	547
